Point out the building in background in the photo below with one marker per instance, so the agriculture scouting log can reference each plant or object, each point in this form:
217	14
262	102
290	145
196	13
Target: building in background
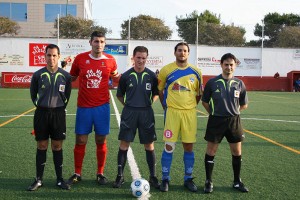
36	17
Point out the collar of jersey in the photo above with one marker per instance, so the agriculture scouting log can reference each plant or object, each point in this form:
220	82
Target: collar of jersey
102	57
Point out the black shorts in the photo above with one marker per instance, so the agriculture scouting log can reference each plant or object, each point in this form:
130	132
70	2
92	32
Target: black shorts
50	123
218	127
137	118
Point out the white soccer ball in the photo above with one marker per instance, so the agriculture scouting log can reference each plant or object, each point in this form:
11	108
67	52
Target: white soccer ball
140	187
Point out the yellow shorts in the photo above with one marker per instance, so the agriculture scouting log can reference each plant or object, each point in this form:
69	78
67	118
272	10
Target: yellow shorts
180	123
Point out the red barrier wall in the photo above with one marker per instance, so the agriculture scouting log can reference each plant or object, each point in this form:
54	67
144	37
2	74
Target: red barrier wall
22	80
254	83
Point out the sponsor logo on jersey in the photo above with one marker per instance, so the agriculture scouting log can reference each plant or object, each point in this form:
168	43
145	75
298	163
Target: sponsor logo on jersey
178	87
192	79
93	78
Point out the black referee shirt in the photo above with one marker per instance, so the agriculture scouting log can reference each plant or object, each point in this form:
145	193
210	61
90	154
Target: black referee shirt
50	90
225	96
138	89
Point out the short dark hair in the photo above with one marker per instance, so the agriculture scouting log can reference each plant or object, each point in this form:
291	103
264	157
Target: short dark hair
140	49
181	43
52	46
97	34
63	63
228	56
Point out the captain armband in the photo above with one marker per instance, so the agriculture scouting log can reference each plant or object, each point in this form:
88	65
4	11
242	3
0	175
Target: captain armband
115	73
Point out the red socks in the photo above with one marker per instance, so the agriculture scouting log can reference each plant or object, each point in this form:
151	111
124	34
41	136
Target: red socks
79	152
101	157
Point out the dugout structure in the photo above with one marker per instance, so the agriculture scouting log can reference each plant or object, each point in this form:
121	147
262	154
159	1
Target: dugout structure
292	76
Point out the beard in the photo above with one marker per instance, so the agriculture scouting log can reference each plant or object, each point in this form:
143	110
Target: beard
181	61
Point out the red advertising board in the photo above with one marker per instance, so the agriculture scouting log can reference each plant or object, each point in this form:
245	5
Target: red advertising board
21	80
37	54
16	79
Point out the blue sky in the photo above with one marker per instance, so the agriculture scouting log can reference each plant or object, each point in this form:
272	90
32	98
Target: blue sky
246	13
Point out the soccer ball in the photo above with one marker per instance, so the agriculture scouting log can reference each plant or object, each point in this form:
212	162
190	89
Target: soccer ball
140	187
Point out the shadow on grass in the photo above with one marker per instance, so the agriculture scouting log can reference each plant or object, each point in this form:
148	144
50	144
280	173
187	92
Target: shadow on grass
87	189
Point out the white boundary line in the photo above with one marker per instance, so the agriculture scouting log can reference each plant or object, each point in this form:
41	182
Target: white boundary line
134	169
135	172
272	120
161	115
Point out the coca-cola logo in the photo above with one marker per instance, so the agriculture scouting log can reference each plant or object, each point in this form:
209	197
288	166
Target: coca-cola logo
21	79
17	78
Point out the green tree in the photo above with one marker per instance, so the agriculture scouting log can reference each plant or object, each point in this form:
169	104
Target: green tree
253	43
210	30
289	37
232	35
8	27
187	26
145	27
274	24
74	27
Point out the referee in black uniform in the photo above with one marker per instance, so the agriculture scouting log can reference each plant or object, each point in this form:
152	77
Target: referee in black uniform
223	98
137	91
50	91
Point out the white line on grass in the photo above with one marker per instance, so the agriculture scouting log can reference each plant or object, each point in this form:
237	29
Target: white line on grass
161	115
135	172
272	120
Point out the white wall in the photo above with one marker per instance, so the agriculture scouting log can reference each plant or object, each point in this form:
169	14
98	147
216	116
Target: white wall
249	60
15	56
281	61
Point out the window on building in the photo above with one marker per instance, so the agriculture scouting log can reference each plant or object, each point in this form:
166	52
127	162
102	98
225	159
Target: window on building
19	12
5	10
14	11
52	10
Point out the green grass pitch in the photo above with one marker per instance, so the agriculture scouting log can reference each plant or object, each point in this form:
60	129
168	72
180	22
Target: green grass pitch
270	167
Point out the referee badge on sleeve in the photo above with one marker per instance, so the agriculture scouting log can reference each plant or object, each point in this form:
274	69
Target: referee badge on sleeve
236	93
62	88
148	86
